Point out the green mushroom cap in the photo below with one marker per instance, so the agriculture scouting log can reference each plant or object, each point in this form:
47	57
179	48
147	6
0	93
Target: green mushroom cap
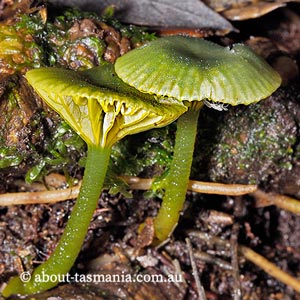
100	107
191	69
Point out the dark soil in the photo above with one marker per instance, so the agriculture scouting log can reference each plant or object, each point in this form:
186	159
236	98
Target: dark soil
256	144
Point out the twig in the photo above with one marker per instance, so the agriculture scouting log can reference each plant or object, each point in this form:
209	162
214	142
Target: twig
255	258
53	196
237	290
270	268
196	186
210	240
200	289
138	183
220	188
284	202
206	257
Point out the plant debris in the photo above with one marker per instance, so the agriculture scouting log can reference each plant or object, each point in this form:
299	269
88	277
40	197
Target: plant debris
256	146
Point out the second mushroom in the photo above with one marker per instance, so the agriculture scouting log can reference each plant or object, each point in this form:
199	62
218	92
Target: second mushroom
193	71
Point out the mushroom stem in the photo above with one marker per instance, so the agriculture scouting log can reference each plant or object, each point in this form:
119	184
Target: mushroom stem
68	248
176	182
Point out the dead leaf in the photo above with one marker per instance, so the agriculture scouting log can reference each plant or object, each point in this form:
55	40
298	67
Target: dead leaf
238	10
155	13
252	11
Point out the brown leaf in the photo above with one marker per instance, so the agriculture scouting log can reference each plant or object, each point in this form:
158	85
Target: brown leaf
252	11
245	9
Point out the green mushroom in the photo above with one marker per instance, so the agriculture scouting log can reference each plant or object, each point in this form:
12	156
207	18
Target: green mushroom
193	71
102	110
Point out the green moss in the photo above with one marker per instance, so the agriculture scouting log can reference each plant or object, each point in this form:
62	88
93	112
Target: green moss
61	153
9	157
148	154
84	49
43	143
254	144
19	50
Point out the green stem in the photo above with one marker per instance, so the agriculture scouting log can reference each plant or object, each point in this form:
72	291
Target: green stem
178	177
68	248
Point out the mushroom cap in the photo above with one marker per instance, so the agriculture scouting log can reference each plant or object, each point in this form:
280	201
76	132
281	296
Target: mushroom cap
191	69
99	106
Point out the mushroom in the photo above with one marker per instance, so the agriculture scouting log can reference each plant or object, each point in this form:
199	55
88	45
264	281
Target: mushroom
102	110
193	71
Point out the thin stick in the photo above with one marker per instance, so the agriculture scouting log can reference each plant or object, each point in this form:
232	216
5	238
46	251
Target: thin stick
254	257
200	288
51	196
197	186
284	202
211	259
135	183
138	183
270	268
220	188
237	290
